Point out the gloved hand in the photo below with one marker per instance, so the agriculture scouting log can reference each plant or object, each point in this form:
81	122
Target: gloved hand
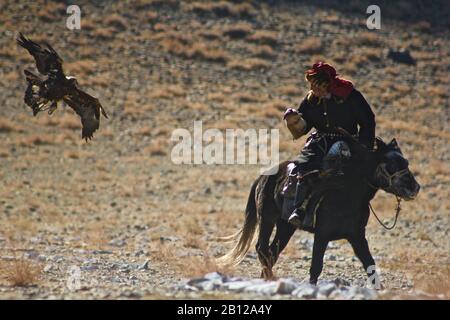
289	112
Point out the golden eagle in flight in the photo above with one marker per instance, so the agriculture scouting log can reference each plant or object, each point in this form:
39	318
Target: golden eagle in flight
44	94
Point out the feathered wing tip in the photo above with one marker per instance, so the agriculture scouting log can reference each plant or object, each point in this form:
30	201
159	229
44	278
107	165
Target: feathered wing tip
21	39
104	112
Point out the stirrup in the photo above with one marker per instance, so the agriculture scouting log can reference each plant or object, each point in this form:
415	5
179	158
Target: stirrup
296	218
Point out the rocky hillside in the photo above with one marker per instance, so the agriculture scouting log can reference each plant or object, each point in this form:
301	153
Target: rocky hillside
126	220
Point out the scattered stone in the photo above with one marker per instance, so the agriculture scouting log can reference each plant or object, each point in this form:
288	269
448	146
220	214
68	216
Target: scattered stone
305	291
144	266
326	289
117	243
336	289
48	268
169	239
102	252
286	286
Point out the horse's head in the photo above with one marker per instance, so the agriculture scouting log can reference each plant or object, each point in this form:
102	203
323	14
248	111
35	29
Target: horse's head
392	173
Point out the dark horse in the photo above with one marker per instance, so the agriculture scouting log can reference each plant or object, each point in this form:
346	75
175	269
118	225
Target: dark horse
343	213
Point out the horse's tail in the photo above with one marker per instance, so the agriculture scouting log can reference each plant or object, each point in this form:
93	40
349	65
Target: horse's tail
246	234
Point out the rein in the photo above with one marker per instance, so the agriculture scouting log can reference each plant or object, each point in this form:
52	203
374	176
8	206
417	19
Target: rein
398	209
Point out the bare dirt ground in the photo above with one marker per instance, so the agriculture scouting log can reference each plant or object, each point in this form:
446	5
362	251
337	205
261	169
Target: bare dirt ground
132	223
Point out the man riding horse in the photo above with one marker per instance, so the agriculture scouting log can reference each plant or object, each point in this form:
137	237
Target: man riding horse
335	109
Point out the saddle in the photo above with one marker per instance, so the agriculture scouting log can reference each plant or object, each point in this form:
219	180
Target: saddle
326	179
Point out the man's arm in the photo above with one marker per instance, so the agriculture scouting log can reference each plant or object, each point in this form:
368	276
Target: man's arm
366	120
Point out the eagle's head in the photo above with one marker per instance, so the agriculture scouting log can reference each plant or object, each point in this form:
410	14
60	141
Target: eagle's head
72	80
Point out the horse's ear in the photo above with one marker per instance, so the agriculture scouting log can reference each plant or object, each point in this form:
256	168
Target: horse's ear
394	145
380	143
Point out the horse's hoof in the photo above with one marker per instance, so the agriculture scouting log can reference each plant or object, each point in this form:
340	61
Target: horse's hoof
267	275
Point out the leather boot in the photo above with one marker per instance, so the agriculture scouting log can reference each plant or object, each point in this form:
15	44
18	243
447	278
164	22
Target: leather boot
298	215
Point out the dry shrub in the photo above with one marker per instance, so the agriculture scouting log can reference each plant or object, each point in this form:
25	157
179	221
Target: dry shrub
52	12
37	140
246	97
144	131
217	96
249	64
191	241
199	266
116	21
21	272
104	33
158	147
81	67
7	52
168	92
262	51
290	90
309	46
368	38
264	37
4	154
182	46
222	8
438	284
238	31
436	90
69	121
146	4
211	34
8	126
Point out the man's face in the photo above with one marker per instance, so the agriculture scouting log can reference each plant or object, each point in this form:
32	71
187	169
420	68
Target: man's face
319	91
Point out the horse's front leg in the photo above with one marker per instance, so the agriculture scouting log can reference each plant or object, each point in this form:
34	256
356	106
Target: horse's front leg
362	251
319	247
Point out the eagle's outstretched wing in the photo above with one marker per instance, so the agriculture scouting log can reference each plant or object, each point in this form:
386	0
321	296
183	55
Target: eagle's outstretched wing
48	62
88	108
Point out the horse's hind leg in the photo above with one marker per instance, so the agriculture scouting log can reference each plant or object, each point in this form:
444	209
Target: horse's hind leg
319	247
283	234
262	247
362	251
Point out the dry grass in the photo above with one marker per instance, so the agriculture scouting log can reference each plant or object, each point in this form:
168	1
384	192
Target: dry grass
116	21
168	92
9	126
185	48
262	51
309	46
105	33
368	38
222	8
198	265
249	64
38	140
81	67
264	37
238	31
21	272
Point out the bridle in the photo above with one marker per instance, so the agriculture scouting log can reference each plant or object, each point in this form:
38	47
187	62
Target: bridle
382	171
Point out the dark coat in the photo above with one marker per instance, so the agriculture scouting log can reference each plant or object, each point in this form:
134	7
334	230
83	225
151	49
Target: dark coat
352	114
